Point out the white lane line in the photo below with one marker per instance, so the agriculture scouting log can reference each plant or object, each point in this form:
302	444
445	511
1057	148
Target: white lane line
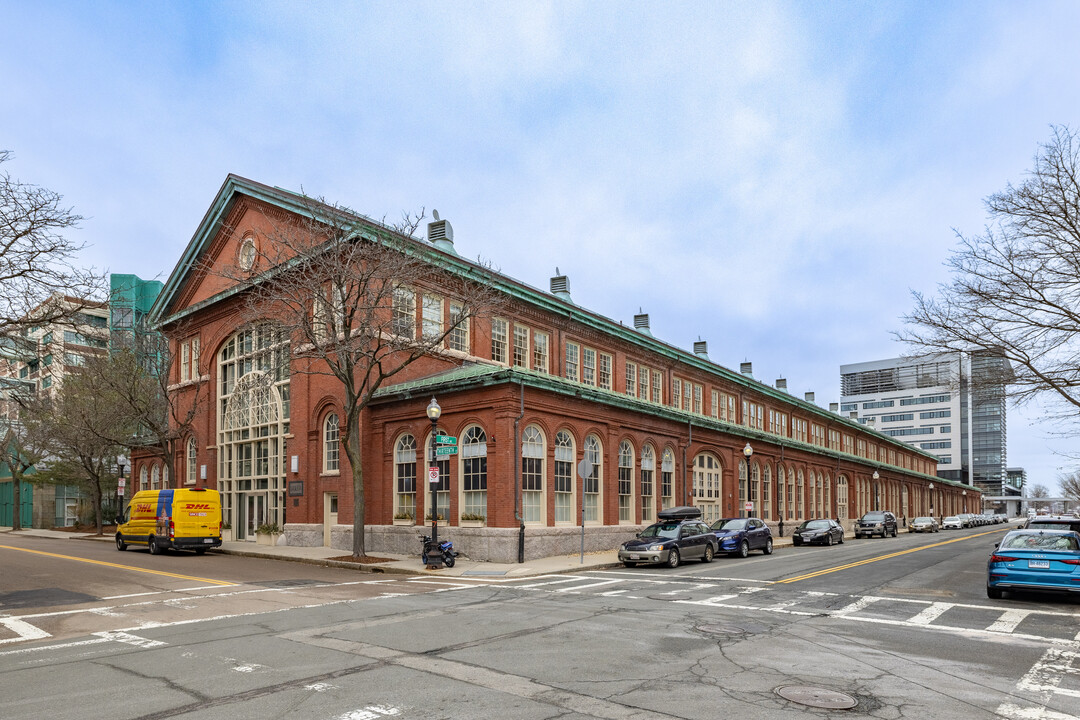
22	629
1015	712
930	614
860	604
577	588
679	591
129	639
565	579
1008	621
610	593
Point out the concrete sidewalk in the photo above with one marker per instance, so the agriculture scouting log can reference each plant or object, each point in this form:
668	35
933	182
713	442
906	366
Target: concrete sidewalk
397	564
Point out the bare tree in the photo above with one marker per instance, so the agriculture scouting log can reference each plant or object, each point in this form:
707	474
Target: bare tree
1015	290
37	261
67	426
345	291
1070	485
1037	493
19	452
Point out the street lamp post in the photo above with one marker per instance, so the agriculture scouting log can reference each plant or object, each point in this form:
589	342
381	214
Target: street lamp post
931	499
963	494
877	491
747	453
434	411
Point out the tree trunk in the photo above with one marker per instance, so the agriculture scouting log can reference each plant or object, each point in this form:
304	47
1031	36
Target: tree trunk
16	496
96	493
353	452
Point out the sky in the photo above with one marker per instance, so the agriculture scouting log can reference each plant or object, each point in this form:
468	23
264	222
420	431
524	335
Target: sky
773	178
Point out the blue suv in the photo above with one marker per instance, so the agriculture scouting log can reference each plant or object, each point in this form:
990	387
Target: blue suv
738	536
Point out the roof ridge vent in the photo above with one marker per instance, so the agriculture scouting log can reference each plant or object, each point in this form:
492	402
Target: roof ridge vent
809	396
747	369
781	384
701	348
641	323
441	234
560	286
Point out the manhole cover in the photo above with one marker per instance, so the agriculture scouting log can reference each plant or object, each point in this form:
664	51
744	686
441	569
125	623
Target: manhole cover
817	697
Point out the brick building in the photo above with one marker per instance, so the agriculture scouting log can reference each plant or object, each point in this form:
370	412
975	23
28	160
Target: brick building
528	394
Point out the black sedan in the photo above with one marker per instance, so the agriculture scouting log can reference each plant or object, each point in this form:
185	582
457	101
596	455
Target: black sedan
821	531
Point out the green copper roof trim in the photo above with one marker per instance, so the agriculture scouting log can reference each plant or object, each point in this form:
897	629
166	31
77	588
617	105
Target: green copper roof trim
458	265
479	375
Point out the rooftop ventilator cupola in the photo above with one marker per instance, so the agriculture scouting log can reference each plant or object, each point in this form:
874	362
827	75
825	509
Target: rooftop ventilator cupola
641	323
560	286
441	234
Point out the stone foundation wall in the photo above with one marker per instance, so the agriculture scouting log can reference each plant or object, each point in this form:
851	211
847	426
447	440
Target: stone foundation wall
484	544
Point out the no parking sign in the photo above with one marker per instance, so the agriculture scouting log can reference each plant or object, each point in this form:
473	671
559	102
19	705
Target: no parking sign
433	474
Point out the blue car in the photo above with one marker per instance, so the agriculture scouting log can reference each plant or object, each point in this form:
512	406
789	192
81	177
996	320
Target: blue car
738	536
1038	560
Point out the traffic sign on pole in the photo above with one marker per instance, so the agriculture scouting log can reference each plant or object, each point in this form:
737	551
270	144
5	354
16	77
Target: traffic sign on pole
449	450
433	474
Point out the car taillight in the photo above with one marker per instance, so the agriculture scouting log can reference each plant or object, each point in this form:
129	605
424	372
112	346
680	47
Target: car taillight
172	528
1071	562
1002	558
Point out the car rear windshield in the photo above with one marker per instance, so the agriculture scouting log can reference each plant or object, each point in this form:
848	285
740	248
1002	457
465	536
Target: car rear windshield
1039	541
1057	524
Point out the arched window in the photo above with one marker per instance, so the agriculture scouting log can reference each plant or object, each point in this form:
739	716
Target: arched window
707	496
766	492
827	494
842	497
474	474
143	482
155	477
667	479
164	477
332	444
626	482
799	496
811	488
648	475
781	480
564	478
591	487
405	478
743	490
755	488
192	459
792	501
252	402
532	475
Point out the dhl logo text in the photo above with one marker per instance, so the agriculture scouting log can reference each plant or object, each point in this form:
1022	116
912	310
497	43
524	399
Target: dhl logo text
196	506
144	507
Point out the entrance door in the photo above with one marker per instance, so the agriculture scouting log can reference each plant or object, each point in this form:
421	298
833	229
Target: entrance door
329	516
256	514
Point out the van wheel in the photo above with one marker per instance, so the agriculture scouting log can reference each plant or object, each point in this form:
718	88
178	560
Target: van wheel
120	544
152	544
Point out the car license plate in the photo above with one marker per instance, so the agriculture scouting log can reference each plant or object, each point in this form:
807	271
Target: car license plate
634	557
1043	564
208	540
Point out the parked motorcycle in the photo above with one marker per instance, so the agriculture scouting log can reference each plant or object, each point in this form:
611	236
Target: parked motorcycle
444	548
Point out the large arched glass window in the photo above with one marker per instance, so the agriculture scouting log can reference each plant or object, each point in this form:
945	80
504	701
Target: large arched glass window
591	486
792	501
192	460
667	479
707	474
755	488
532	475
564	478
332	444
253	422
474	474
164	476
743	491
800	496
781	487
144	484
648	479
155	477
626	482
842	497
827	494
405	478
811	488
766	492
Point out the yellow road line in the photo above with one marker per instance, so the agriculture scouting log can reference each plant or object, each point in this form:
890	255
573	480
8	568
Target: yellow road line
122	567
826	571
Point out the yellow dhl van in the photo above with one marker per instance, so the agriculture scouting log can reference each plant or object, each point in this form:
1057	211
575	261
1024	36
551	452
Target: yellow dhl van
184	519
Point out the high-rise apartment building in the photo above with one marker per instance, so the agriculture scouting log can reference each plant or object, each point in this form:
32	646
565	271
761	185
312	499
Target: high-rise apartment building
949	404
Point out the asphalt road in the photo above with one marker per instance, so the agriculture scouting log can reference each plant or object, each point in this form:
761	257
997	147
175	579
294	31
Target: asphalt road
900	626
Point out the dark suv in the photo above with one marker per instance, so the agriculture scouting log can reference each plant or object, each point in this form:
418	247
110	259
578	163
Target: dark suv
876	523
677	535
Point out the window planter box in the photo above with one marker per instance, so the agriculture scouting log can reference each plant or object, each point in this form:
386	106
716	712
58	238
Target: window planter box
472	523
267	538
404	521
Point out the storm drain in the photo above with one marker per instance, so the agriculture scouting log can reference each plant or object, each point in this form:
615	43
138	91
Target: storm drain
817	697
